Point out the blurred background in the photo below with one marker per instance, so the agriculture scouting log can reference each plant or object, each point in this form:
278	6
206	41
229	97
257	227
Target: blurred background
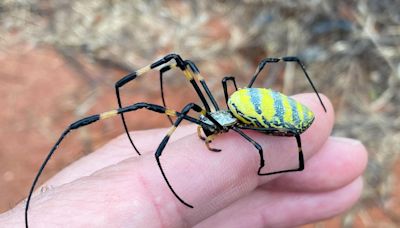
59	61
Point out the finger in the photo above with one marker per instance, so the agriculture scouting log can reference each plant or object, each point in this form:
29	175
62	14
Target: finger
113	152
285	209
338	163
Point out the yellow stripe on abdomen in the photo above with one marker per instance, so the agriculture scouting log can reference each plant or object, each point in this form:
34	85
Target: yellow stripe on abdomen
288	112
299	108
267	104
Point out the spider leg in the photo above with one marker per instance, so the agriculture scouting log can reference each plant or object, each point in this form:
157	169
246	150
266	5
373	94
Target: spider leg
262	163
191	73
200	78
179	62
255	144
260	67
263	62
297	60
196	73
93	118
301	160
162	71
225	87
165	140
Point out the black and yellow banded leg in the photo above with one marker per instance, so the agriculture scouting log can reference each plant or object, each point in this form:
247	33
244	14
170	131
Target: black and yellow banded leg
179	63
263	62
208	140
94	118
162	71
193	72
165	140
225	87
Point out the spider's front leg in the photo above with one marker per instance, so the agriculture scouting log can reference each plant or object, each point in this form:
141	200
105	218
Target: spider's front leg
165	140
194	71
190	71
92	119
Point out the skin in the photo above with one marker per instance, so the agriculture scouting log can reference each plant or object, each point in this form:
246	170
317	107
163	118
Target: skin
113	187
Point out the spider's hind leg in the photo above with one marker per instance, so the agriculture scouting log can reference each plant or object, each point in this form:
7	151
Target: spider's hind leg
295	59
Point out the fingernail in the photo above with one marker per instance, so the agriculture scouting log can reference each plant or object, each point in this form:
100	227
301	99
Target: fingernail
348	141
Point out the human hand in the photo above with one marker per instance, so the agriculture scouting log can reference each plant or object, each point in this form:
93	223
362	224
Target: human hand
113	187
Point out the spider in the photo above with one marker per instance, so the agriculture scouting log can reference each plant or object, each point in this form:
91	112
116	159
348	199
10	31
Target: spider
258	109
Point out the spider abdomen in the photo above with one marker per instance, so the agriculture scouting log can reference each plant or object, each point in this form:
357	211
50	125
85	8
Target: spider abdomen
265	108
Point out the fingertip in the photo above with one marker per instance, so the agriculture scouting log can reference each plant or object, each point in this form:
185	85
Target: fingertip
343	160
357	152
344	198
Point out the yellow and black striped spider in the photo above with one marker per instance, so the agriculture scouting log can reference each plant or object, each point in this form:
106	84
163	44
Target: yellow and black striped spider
259	109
